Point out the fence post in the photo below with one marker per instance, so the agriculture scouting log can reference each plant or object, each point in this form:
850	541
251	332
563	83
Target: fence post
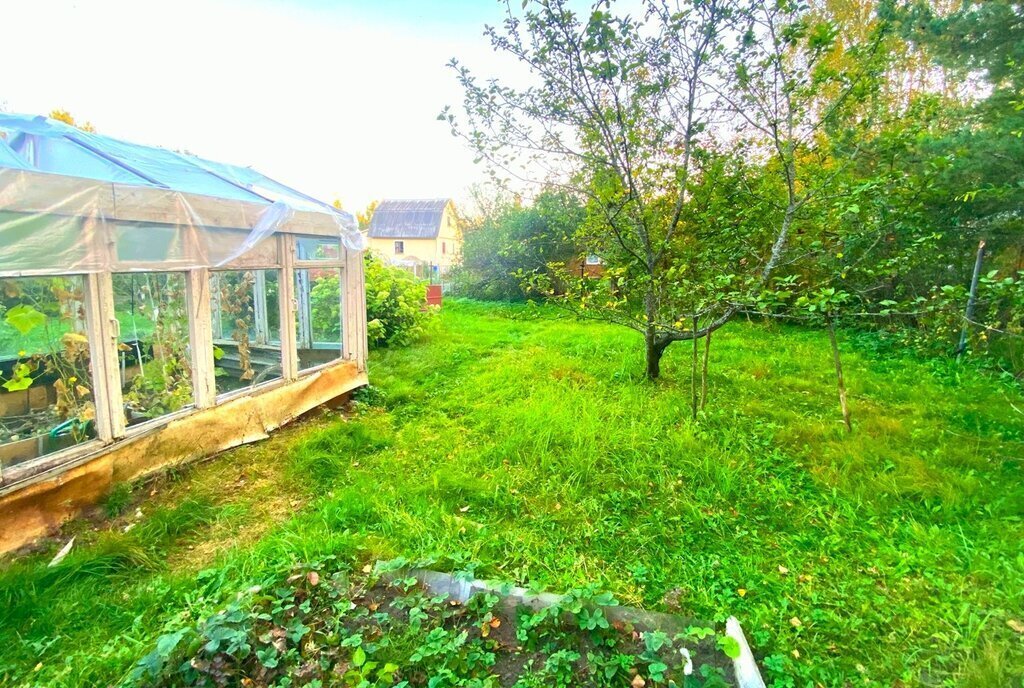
972	299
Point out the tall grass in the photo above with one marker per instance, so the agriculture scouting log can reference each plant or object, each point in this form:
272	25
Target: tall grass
531	448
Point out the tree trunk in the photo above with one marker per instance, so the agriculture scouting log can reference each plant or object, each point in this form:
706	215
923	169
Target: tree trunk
693	373
704	372
839	375
972	299
654	353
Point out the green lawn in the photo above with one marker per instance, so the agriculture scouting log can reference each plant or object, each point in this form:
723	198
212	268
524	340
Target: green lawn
532	448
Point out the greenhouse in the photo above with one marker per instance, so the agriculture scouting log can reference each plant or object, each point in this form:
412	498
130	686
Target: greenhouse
157	307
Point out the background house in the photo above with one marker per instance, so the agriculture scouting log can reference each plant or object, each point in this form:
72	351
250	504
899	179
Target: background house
422	236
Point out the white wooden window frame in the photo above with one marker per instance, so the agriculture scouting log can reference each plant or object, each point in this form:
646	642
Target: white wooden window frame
341	263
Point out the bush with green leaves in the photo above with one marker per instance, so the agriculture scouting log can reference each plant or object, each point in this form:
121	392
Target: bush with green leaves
515	243
396	304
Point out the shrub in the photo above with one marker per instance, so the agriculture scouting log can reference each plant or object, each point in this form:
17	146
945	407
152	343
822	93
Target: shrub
515	243
396	309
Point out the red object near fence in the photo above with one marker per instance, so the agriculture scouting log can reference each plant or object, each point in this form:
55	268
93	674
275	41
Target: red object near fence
434	295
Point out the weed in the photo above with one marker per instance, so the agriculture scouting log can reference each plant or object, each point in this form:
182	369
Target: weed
119	499
169	522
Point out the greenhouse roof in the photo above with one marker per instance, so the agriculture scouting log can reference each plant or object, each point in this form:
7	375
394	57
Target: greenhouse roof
40	144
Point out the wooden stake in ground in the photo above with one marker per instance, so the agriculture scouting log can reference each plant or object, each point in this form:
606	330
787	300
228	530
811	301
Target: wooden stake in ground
704	372
839	374
693	372
972	299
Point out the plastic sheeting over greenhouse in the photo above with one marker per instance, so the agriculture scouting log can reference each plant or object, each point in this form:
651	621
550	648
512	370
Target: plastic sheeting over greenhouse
156	307
81	202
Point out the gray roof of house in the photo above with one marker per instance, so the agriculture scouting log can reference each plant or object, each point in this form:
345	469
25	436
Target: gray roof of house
408	219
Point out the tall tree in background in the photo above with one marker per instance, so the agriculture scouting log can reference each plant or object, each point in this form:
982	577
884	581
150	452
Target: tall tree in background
366	215
983	44
64	116
939	173
636	114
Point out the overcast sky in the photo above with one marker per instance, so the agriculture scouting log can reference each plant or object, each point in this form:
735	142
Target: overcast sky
335	97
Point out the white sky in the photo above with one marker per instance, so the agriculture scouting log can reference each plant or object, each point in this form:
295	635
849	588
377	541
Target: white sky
337	99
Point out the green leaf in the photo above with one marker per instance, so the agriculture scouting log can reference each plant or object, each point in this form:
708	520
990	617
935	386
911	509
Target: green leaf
730	646
153	663
699	632
18	384
24	318
359	657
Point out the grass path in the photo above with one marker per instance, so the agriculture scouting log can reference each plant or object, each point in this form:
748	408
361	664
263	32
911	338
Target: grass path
532	449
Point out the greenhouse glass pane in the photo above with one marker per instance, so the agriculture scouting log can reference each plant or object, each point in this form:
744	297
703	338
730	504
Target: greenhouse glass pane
318	317
246	328
155	362
317	248
46	388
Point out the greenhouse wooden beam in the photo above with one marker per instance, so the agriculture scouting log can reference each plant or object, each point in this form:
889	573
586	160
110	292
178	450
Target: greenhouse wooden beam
200	332
286	309
103	341
354	309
